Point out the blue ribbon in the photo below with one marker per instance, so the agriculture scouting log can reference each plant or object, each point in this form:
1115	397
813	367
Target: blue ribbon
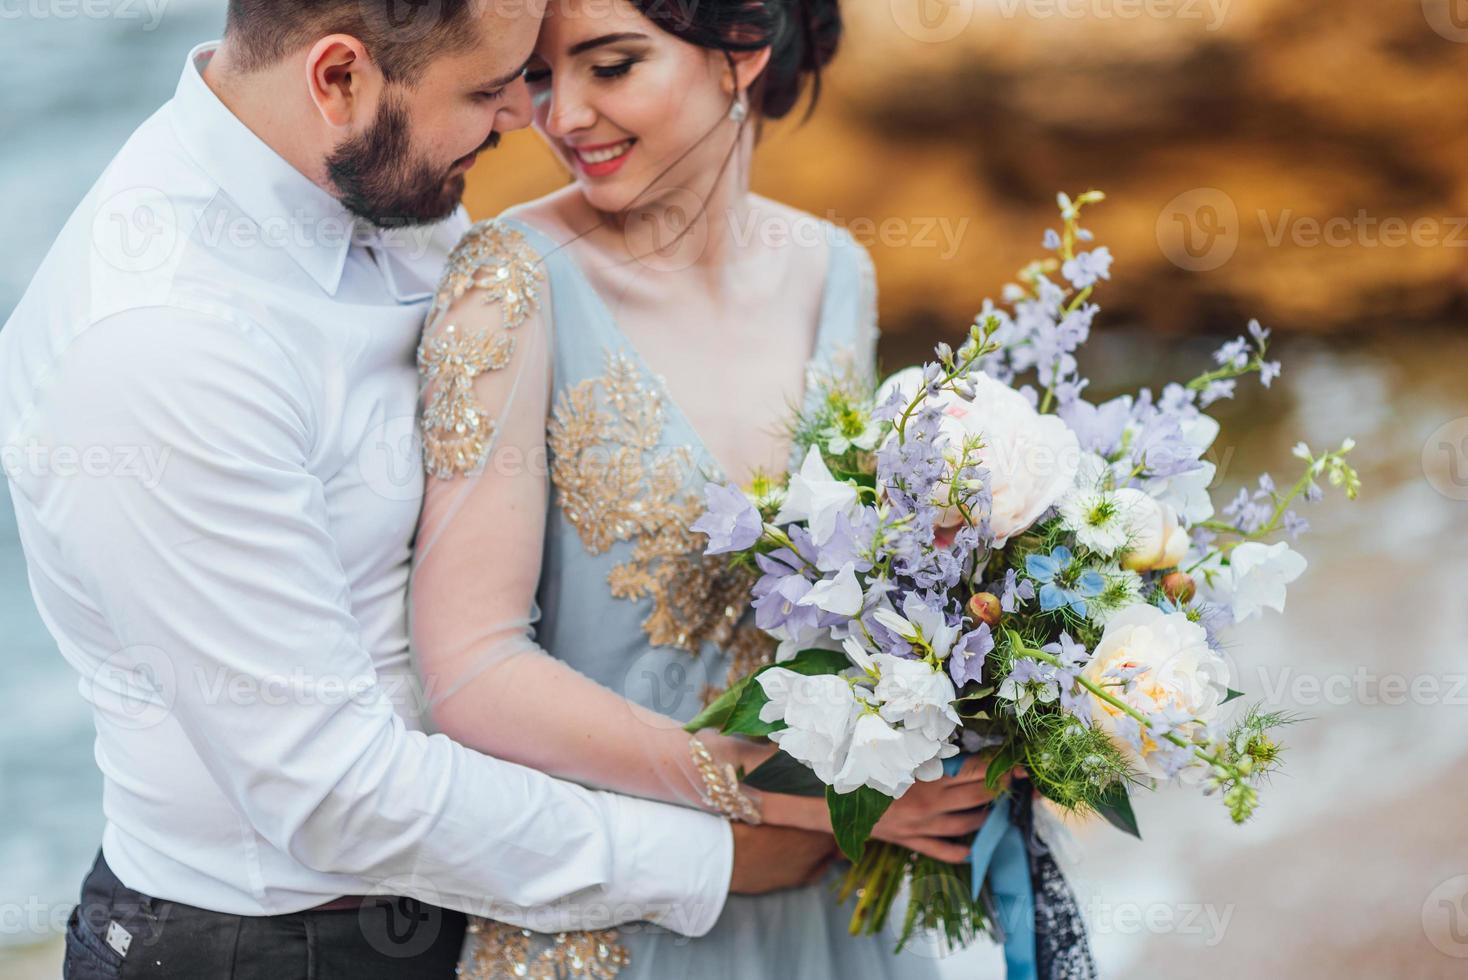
999	853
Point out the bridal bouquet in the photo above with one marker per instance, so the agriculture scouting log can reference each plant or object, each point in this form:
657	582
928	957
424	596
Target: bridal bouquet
973	558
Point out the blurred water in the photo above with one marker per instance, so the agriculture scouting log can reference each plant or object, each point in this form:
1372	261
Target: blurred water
72	88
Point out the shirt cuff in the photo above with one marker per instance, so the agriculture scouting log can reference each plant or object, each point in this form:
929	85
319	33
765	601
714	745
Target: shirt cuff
671	862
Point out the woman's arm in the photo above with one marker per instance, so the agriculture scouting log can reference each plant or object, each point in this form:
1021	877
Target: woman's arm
487	379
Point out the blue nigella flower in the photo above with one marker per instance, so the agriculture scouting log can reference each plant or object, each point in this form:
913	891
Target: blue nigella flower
1062	582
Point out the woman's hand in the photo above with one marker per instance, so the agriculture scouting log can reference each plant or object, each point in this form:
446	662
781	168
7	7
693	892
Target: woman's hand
931	814
926	819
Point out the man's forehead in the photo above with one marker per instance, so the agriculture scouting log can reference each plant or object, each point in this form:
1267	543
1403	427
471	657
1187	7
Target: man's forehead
505	37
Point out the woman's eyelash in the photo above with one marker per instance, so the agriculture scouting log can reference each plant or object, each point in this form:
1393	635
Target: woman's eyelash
613	71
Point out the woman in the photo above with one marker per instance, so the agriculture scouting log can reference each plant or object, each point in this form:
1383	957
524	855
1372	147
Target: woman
592	359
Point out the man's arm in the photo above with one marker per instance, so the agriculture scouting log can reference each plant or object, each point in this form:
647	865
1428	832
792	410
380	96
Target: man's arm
227	570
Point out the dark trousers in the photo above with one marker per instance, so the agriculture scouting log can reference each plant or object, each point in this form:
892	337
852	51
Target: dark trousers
383	938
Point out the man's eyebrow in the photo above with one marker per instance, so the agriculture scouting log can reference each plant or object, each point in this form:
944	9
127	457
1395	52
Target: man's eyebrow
597	42
506	78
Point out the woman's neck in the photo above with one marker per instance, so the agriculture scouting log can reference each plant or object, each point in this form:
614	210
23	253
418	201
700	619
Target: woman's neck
702	230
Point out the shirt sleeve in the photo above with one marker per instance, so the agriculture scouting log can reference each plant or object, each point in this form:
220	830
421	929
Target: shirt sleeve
224	571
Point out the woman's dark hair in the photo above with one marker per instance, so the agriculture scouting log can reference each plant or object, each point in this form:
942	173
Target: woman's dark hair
802	36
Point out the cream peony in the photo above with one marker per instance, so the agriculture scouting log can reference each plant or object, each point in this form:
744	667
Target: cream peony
1032	458
1156	538
1178	670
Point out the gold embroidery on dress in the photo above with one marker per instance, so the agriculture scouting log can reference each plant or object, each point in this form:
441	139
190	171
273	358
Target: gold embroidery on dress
616	482
497	951
457	432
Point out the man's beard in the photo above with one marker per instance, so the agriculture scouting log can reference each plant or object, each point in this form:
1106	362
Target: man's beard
377	178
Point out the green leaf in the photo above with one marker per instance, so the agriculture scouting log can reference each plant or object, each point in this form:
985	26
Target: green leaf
853	815
783	773
1116	806
716	715
1004	760
969	706
1231	695
745	719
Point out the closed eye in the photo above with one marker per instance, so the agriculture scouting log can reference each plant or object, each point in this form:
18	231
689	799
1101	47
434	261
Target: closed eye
613	71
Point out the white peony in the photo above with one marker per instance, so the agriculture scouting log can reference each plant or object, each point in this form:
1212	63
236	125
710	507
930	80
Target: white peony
915	696
1031	458
1178	671
821	712
1156	538
1258	575
816	497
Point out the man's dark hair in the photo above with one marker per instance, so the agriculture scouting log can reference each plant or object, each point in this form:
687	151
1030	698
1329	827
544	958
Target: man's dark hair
401	37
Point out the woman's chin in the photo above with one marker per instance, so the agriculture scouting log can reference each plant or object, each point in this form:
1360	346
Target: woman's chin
608	195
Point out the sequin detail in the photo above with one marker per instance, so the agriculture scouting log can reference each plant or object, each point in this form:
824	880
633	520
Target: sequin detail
497	951
615	481
457	431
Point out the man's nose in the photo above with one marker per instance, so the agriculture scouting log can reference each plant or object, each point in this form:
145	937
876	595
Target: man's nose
517	109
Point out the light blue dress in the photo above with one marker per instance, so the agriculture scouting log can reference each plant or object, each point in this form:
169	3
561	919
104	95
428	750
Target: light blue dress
627	598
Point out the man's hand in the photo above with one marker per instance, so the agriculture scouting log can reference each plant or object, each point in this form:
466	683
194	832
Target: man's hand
768	858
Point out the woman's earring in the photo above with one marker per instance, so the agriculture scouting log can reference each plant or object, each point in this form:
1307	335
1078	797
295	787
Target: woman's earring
738	111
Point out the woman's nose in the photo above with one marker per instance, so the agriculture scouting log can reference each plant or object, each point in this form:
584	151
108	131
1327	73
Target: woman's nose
566	112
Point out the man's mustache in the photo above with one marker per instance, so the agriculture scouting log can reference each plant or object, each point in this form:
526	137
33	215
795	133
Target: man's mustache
492	141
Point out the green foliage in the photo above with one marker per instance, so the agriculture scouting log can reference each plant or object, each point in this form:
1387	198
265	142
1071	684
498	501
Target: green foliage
853	815
783	773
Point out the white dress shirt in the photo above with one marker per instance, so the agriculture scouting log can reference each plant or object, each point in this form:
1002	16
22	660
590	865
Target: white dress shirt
206	412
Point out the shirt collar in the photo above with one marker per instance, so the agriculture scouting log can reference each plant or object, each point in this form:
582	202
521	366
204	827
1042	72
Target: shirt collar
305	220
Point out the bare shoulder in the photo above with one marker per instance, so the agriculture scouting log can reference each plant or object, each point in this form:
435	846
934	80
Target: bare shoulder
816	237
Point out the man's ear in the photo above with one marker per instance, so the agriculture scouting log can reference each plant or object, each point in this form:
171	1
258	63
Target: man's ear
343	81
747	67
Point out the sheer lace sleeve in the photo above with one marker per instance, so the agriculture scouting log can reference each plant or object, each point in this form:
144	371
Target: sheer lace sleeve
485	362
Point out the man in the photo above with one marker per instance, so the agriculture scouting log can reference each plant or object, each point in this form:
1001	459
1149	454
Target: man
195	397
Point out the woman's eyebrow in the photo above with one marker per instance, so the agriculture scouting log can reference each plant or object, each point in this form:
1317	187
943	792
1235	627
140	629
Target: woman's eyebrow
597	42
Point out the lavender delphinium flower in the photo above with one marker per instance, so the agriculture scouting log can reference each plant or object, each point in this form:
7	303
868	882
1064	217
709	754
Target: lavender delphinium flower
1029	682
1216	391
1073	656
730	520
966	661
1098	427
1087	267
1014	592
